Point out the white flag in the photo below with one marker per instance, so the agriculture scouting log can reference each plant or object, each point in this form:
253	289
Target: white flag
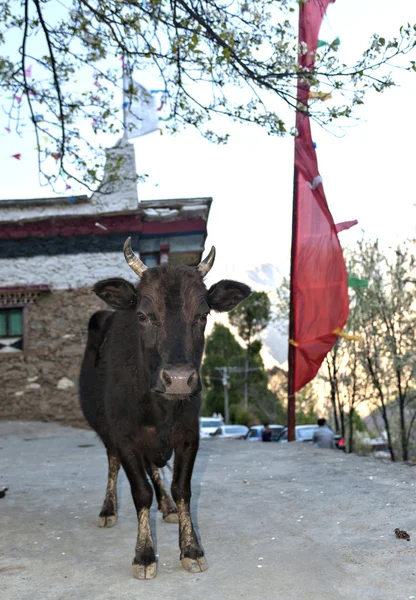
140	112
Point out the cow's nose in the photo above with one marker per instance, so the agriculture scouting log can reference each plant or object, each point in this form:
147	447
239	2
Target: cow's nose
179	380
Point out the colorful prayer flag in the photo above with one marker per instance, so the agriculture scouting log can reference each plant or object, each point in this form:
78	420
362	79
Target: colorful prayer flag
140	111
314	95
355	282
323	43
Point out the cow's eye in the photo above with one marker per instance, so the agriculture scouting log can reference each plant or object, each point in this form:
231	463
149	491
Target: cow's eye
202	318
142	317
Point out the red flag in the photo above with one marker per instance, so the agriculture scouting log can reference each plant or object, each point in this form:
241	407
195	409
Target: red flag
319	286
17	156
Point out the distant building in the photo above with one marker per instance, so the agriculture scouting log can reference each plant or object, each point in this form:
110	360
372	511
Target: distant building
52	250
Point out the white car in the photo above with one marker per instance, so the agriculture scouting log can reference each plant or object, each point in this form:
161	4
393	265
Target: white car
230	432
208	425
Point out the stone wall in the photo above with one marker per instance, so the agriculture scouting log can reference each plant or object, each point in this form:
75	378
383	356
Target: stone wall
43	385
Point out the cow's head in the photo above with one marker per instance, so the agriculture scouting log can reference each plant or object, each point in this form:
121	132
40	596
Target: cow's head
171	305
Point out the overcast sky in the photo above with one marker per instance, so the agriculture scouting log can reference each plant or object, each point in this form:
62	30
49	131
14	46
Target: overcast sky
367	173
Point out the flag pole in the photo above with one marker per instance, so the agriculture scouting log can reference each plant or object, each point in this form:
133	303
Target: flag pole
291	399
126	103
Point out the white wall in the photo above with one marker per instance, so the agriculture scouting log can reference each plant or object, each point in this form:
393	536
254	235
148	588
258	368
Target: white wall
62	272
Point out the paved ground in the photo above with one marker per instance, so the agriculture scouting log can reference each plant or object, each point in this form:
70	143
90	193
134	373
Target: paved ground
276	521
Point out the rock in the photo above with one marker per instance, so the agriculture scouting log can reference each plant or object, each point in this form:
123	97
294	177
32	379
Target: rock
65	384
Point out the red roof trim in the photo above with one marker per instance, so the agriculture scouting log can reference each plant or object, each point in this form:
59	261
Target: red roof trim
85	225
97	226
158	227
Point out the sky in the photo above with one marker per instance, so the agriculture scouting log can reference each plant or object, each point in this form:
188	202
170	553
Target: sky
367	169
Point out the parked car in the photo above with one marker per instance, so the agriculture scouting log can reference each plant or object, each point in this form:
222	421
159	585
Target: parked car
208	425
254	433
304	433
236	432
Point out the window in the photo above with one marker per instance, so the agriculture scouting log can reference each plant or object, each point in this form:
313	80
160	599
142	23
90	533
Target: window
235	430
276	431
306	433
11	329
211	423
150	260
255	433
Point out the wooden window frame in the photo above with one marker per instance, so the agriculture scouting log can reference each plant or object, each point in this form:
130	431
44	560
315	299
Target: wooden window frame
25	333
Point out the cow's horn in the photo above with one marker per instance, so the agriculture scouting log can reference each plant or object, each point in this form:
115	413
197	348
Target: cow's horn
205	265
133	261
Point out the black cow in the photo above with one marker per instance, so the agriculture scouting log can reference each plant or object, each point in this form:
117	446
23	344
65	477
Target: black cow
140	390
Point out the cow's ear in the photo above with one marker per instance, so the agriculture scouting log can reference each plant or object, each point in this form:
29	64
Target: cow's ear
226	294
117	293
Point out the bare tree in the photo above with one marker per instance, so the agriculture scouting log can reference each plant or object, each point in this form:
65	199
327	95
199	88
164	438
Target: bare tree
331	361
387	311
233	58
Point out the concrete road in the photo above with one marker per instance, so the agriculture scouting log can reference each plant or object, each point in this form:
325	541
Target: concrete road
276	521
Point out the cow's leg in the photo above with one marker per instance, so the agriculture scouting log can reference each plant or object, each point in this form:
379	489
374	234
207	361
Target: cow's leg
108	514
144	562
192	555
164	502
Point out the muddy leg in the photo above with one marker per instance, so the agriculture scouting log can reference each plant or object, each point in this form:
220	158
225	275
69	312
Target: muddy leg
192	555
164	502
144	562
108	514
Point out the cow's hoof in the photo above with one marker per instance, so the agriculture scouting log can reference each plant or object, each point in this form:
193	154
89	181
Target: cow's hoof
108	521
171	518
145	571
195	565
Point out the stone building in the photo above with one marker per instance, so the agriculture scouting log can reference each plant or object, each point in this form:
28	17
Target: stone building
52	250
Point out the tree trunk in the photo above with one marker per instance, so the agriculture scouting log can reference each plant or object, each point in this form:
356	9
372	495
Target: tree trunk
387	426
403	436
334	405
342	417
379	389
402	400
333	395
351	430
341	411
246	366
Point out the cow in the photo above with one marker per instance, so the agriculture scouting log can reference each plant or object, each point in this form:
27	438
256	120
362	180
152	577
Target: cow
140	390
